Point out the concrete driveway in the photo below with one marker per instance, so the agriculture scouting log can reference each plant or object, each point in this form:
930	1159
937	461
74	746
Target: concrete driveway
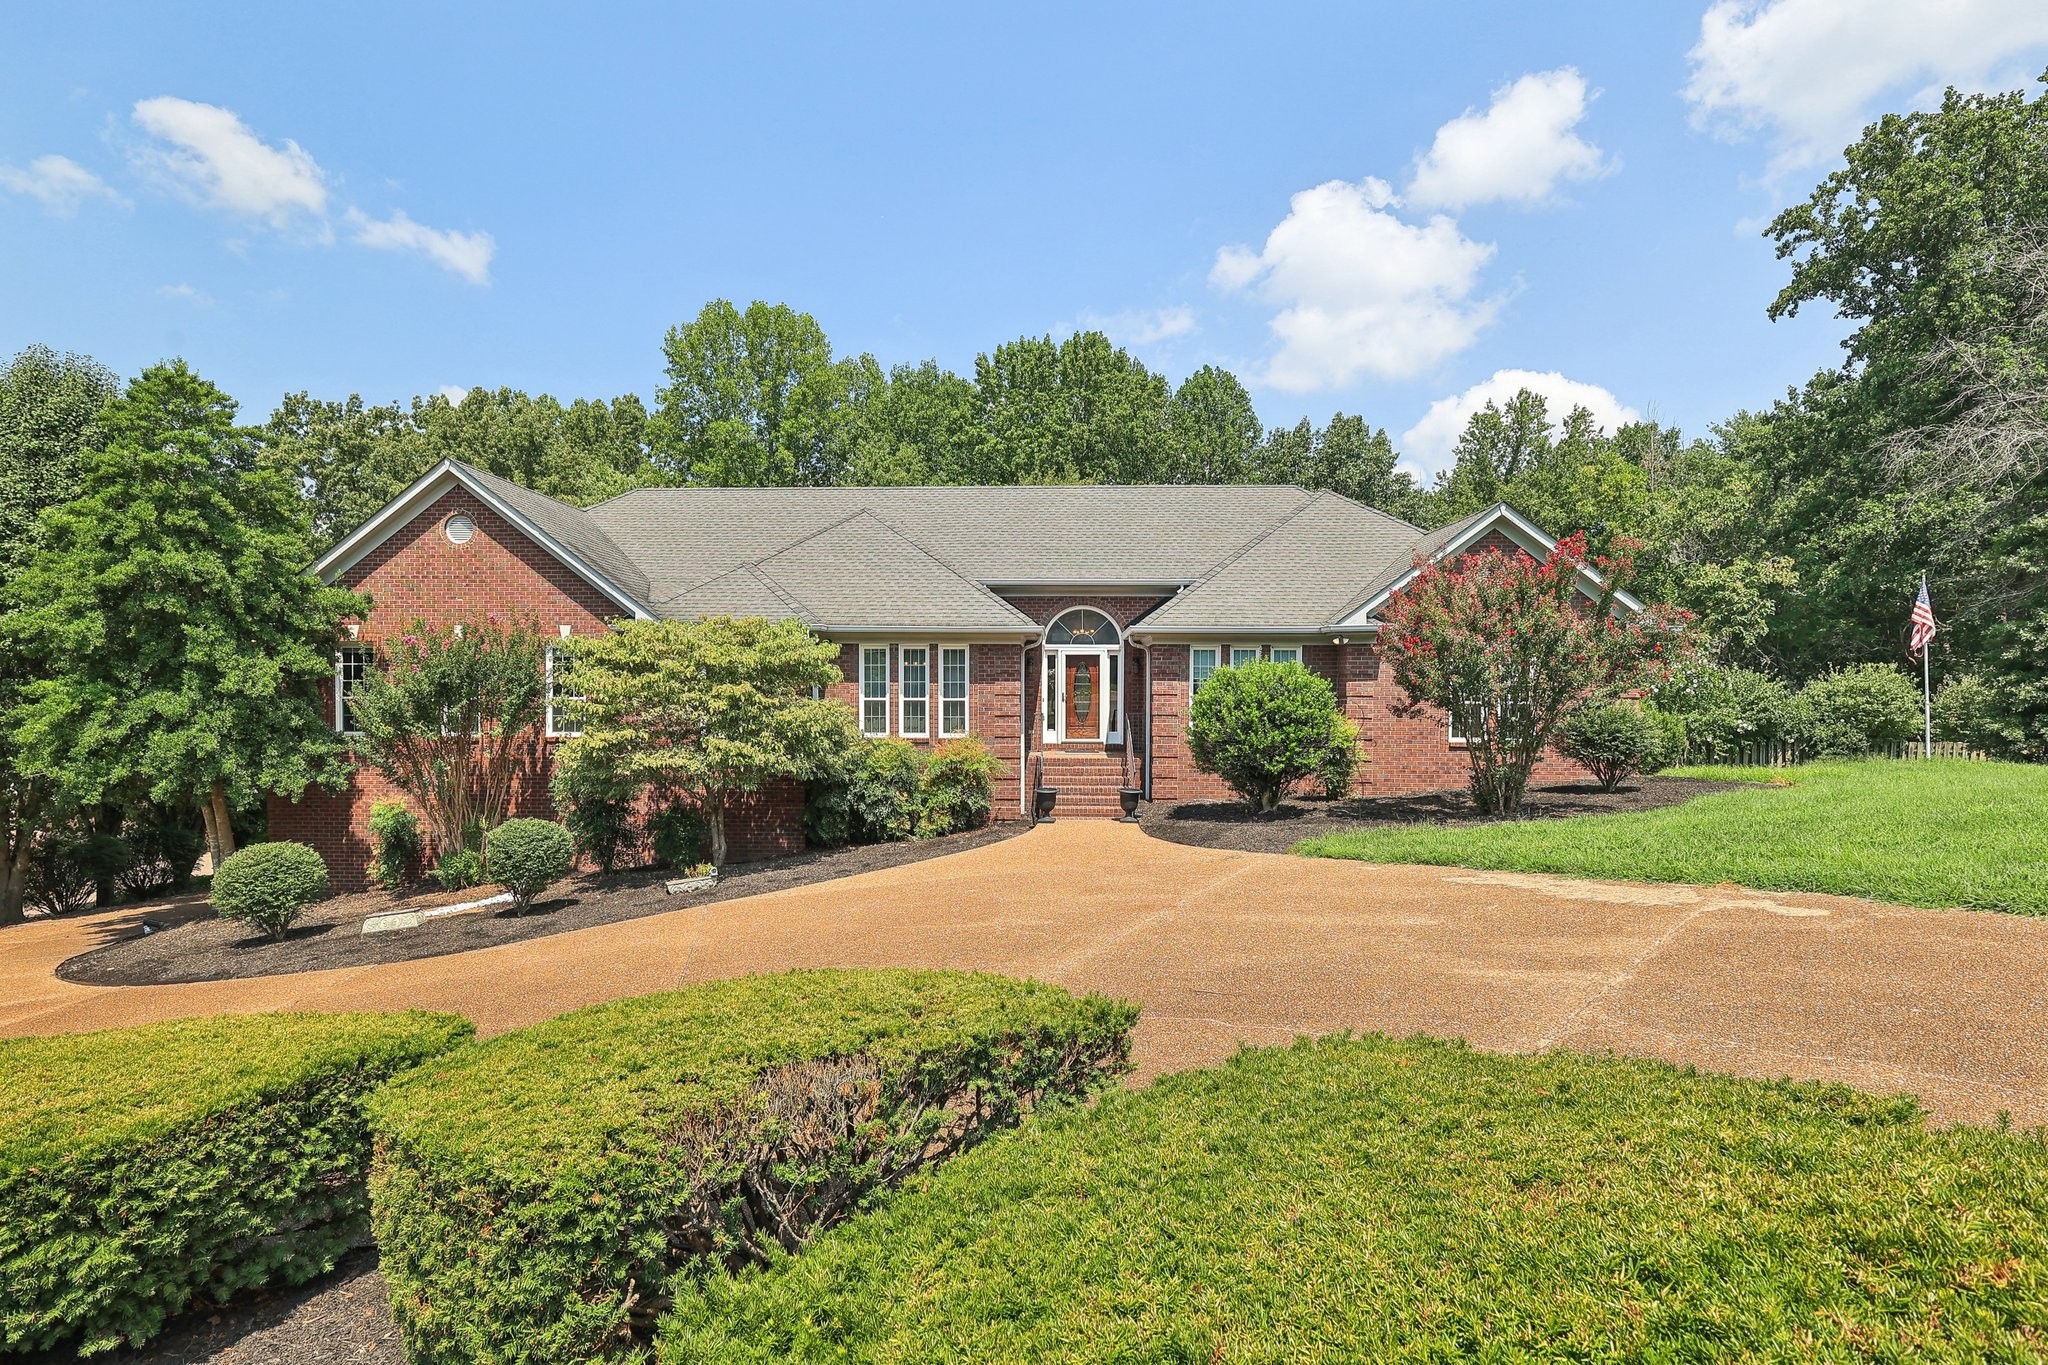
1225	947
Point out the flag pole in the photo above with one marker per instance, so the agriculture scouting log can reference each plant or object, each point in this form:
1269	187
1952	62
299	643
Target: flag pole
1926	690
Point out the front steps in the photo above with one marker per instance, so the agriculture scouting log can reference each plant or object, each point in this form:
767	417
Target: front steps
1087	779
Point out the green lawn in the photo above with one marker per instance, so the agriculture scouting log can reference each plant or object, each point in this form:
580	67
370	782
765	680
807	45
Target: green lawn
1915	833
1368	1199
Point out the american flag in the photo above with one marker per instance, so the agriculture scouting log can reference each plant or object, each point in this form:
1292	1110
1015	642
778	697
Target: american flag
1923	620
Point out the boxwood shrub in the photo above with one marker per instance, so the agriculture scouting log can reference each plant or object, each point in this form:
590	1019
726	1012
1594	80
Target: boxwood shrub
534	1195
526	857
269	885
1372	1200
142	1167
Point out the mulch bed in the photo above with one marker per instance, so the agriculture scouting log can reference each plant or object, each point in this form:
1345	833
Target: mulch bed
342	1318
196	945
1230	824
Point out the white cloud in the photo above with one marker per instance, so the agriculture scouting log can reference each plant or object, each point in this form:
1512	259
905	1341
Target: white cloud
216	159
1519	150
468	254
1808	71
1137	326
58	182
1360	291
1429	443
184	293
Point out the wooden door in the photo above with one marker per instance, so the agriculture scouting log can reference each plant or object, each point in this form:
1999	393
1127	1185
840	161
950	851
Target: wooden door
1081	694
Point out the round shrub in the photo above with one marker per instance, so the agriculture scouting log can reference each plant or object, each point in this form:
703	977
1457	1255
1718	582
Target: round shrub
395	844
526	857
1724	709
1611	741
882	791
1854	711
269	885
1262	727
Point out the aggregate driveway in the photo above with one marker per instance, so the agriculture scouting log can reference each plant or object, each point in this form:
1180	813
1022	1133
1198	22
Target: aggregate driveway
1224	947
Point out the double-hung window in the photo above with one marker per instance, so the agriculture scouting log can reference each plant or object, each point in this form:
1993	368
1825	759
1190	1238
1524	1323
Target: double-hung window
1285	654
351	664
562	694
1243	654
874	690
952	691
915	664
1201	666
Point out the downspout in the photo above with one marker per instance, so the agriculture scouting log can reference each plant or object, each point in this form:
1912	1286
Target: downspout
1146	648
1023	731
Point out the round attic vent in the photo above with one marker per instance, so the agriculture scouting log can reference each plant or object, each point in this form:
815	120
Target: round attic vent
460	528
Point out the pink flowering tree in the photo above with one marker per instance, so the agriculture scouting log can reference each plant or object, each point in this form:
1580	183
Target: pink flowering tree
1510	647
452	716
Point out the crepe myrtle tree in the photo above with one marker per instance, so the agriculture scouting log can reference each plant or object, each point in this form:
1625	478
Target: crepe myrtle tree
452	717
1510	647
708	711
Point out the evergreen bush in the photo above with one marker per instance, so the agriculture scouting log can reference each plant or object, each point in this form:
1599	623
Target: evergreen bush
526	857
957	788
1858	710
269	885
395	844
1341	760
1262	727
1612	741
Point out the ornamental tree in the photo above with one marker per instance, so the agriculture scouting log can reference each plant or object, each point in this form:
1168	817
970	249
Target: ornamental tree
185	643
1510	647
452	717
708	711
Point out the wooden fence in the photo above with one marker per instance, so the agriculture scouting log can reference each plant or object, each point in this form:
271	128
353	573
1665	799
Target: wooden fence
1778	754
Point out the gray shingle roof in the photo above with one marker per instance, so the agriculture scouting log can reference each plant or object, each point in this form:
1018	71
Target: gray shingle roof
1426	546
1299	574
573	528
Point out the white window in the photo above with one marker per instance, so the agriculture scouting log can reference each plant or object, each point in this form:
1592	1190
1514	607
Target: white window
1201	666
952	692
1286	654
874	690
1243	654
351	663
562	694
916	665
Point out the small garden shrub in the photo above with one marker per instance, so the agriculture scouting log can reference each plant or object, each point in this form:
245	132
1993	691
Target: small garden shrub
395	844
67	866
1854	711
534	1196
1726	708
1262	727
1372	1200
1972	710
1613	741
956	788
160	858
269	885
142	1168
678	834
1341	760
459	869
882	791
526	857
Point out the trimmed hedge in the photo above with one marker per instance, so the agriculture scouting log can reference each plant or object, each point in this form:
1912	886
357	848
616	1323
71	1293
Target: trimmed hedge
142	1167
526	857
1374	1200
534	1195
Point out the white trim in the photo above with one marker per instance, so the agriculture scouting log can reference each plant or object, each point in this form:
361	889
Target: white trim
865	698
1258	654
1273	652
423	492
551	730
1524	533
1194	683
903	697
966	697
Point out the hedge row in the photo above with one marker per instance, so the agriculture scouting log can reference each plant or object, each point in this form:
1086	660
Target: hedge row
536	1195
1377	1200
141	1168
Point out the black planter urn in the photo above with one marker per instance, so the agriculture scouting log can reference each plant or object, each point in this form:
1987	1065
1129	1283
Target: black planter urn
1128	797
1042	802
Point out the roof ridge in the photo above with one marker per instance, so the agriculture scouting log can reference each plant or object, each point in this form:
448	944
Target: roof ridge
797	605
1445	534
1254	542
947	565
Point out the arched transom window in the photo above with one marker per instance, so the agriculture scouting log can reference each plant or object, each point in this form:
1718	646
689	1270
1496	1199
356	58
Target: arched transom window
1081	626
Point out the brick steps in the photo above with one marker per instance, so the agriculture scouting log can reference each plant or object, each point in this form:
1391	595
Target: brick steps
1087	782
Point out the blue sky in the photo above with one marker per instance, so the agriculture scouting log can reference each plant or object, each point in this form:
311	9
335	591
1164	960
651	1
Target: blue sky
1387	209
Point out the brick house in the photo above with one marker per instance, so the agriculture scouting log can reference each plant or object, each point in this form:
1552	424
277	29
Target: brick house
1066	627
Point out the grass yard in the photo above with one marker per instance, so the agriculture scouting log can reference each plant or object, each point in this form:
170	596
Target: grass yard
1366	1199
1941	833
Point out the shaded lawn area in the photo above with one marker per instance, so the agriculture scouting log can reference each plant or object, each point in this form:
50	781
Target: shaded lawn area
1940	833
1366	1199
